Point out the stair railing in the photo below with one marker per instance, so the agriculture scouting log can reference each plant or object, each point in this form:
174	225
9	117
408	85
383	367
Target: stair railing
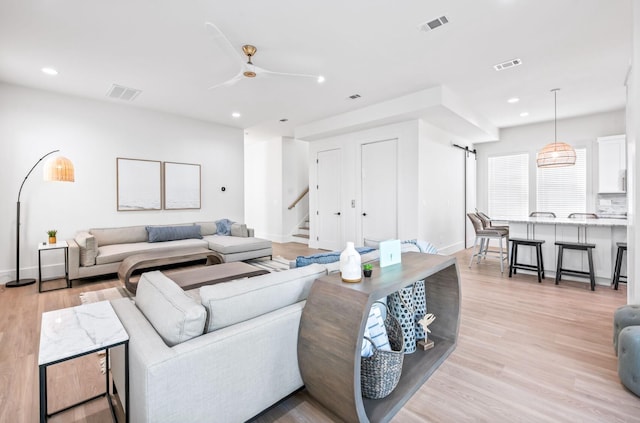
300	197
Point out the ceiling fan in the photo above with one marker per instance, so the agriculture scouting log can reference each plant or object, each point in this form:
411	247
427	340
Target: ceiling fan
248	69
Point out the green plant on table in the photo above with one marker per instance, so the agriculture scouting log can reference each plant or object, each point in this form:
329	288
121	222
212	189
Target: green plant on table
52	232
367	266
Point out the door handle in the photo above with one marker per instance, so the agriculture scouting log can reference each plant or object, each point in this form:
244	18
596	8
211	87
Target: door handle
337	214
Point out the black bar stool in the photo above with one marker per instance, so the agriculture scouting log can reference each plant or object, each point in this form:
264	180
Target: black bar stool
622	247
580	246
539	267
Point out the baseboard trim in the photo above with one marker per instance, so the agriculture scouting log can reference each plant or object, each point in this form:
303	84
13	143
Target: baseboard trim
451	249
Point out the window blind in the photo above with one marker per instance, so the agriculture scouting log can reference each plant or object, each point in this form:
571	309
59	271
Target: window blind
563	190
508	189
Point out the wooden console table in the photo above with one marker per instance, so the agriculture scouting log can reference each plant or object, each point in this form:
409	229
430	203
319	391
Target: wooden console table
332	327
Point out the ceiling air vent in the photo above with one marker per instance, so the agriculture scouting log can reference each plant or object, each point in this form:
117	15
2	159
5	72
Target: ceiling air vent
122	93
508	64
354	96
431	25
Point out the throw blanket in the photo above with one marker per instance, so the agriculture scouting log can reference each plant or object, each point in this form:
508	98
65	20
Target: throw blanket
423	246
324	258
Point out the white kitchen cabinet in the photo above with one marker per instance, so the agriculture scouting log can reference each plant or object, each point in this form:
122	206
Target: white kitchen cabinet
612	164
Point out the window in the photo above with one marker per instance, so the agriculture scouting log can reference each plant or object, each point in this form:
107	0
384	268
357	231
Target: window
563	190
509	186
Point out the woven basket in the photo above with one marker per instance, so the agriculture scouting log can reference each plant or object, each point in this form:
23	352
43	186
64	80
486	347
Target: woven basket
380	373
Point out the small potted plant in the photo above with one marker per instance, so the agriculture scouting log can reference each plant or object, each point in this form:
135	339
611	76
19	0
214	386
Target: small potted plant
367	268
52	236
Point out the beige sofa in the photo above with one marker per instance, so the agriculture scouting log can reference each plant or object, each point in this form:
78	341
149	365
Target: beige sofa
223	352
100	251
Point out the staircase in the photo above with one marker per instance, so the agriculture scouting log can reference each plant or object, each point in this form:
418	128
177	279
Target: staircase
302	234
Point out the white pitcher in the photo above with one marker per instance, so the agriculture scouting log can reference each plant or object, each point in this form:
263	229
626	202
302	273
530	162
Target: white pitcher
350	264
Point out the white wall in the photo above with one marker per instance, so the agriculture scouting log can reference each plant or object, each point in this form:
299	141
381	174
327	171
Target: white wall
263	190
295	179
92	134
633	162
442	217
276	173
579	132
430	183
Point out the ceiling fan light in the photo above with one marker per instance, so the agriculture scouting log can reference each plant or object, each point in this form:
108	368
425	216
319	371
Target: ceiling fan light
556	154
249	50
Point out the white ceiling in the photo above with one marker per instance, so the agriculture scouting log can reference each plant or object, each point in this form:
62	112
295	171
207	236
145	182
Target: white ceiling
369	47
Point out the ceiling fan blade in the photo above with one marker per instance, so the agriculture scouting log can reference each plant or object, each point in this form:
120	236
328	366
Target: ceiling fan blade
231	81
218	35
265	72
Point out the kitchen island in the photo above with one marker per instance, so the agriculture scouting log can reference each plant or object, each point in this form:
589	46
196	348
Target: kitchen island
604	233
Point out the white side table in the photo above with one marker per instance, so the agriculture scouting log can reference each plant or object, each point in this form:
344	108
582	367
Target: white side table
60	245
77	331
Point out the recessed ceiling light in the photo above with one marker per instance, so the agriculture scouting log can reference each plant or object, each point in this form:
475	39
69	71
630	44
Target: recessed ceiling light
320	79
513	100
49	71
235	114
524	114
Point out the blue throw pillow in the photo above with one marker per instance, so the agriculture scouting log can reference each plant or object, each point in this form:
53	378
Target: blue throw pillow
224	226
172	233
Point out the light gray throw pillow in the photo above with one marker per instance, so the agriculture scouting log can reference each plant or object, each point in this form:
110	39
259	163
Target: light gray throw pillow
88	248
239	229
175	316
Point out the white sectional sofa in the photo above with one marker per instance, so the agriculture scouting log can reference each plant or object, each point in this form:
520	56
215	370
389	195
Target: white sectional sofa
222	353
100	251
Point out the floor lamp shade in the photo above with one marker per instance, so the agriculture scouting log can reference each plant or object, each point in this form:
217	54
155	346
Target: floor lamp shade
59	169
55	169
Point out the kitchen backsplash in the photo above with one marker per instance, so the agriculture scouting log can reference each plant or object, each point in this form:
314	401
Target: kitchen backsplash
611	204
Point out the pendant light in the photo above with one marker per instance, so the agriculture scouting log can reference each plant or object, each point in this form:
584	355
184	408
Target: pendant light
556	154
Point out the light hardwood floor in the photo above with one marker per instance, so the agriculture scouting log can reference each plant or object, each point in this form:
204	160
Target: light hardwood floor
527	352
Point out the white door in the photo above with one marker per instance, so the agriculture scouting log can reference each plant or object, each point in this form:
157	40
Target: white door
380	190
329	213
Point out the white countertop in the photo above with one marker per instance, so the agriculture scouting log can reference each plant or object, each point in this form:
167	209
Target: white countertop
565	221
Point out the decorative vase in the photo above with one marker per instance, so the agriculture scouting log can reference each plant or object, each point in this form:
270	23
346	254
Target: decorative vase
350	263
52	240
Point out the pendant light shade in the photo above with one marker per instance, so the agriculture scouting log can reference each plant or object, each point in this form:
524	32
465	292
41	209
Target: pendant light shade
556	154
59	169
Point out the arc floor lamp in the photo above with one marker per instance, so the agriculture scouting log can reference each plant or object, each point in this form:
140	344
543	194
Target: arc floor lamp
55	169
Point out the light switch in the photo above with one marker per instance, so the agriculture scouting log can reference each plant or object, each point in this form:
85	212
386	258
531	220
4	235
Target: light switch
353	204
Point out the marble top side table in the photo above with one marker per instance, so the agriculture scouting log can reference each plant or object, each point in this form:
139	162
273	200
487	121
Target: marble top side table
73	332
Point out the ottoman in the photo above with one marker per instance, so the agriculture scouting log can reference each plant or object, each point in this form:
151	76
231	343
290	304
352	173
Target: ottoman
629	358
628	315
